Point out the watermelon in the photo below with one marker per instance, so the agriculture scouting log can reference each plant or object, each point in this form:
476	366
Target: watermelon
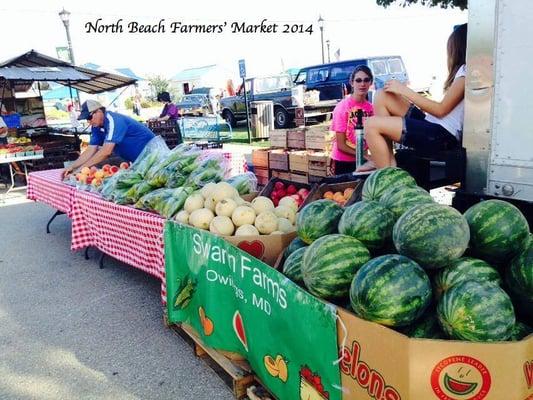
292	268
391	290
426	327
330	263
498	230
431	234
476	311
519	275
464	269
520	331
383	179
368	222
294	245
399	199
318	219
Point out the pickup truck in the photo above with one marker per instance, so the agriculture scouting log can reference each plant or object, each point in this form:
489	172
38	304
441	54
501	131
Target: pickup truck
277	88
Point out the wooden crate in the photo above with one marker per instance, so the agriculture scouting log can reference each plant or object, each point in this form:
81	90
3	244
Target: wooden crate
278	159
313	179
296	138
299	178
280	174
278	138
262	175
260	158
320	164
318	191
298	161
318	137
232	368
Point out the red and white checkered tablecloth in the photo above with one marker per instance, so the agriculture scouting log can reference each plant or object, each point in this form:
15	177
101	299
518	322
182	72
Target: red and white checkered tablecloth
47	187
125	233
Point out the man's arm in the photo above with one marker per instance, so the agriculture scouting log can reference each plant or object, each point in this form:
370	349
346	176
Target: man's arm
102	154
86	155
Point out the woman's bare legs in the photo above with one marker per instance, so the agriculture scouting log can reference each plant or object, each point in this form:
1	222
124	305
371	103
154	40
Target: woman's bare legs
385	127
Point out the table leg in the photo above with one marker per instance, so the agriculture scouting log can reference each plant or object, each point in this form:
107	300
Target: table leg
87	253
51	219
101	262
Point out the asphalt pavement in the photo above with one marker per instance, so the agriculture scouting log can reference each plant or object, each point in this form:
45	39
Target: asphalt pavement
69	330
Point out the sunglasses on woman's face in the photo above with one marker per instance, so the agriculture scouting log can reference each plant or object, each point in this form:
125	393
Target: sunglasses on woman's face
365	80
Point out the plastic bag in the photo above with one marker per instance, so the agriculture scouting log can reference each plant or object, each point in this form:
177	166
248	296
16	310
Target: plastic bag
155	150
210	167
109	185
169	207
127	178
137	191
244	183
184	152
165	201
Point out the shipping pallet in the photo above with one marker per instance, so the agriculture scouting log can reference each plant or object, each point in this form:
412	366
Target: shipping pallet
230	367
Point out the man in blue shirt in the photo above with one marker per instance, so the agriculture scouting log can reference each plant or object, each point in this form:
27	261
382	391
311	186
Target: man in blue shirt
111	132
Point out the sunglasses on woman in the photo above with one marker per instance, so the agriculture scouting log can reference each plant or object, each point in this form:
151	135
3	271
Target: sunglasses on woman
365	80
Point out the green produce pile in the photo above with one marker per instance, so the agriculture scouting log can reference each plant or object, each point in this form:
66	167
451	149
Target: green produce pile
160	179
401	260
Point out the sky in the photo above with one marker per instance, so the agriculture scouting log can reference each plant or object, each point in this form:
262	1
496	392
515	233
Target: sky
356	27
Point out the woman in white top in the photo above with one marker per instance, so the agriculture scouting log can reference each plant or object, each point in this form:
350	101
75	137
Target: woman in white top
406	117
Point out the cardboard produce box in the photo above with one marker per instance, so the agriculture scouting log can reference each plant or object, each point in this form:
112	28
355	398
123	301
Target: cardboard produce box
266	248
379	363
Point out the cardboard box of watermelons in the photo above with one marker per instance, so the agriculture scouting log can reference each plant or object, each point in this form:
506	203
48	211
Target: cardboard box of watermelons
380	363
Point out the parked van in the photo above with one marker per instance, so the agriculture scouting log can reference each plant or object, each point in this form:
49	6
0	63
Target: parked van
333	80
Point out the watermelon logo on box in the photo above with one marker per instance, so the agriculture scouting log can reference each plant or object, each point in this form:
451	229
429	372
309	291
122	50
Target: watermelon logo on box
460	378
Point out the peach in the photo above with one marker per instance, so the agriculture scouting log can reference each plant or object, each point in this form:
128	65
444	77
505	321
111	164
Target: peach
99	174
114	169
328	195
86	170
348	193
124	165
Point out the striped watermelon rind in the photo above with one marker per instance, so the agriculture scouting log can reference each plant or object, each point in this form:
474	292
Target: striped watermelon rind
368	222
427	327
477	312
294	245
431	234
400	199
498	230
391	290
520	331
292	268
383	179
464	269
519	275
318	219
330	263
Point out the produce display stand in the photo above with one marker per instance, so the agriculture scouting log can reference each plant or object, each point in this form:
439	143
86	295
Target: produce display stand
132	236
12	173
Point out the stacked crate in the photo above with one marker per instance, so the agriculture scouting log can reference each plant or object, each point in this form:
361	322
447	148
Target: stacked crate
168	130
260	163
298	164
318	141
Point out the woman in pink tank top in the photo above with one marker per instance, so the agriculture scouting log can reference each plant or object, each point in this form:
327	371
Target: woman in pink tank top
344	120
